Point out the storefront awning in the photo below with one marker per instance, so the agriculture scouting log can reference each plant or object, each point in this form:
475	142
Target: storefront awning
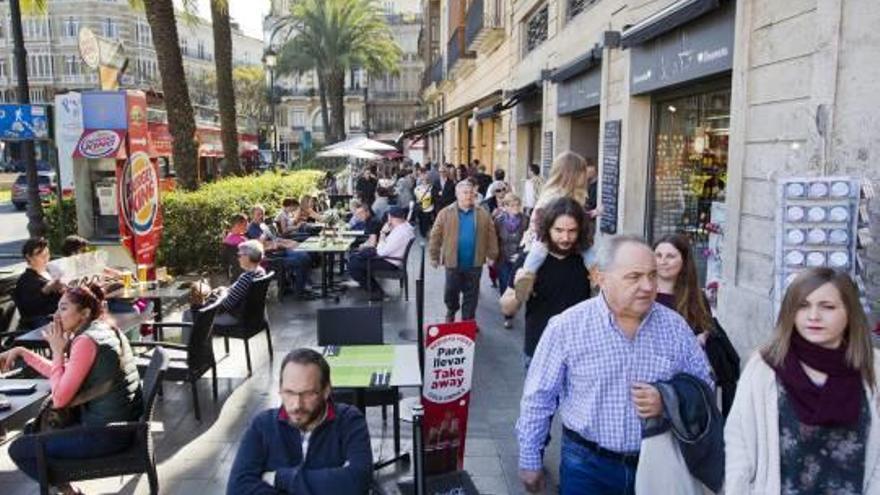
512	97
431	124
578	66
101	143
666	20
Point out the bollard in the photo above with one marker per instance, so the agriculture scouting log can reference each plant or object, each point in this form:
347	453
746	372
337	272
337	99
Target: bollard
418	450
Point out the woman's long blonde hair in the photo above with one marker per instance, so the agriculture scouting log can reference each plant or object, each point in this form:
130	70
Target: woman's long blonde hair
568	179
857	336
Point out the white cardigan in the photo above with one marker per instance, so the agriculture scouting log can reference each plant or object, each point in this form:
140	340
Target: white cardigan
751	435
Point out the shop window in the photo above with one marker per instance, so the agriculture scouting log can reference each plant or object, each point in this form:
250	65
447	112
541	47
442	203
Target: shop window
536	29
690	168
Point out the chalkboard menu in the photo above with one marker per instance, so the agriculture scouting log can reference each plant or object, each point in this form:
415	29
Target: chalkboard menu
610	176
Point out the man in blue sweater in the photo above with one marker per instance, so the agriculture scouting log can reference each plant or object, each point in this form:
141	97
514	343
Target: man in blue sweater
307	446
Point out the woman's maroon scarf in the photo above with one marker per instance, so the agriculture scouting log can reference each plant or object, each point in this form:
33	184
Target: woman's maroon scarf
838	401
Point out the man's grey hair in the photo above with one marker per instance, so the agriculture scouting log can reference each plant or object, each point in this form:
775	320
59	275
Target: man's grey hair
462	184
253	249
606	252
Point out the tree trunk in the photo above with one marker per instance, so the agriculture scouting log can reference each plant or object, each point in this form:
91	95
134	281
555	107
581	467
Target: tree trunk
36	225
181	120
336	97
225	87
325	113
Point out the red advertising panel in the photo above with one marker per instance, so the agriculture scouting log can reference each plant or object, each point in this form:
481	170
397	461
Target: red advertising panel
446	393
210	144
160	140
140	219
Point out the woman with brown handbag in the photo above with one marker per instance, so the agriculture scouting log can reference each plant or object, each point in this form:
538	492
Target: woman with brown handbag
92	375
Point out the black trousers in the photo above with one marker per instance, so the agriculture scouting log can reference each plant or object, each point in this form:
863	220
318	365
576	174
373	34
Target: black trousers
462	290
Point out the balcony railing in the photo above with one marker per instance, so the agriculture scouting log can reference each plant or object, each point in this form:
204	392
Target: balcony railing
484	23
456	50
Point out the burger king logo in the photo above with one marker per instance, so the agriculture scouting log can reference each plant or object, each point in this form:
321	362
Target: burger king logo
99	144
139	190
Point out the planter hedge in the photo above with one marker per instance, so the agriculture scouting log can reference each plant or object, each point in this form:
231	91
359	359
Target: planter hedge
195	222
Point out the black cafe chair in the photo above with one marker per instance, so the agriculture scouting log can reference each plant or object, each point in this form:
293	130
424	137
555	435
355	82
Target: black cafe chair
401	273
138	458
253	319
190	361
355	325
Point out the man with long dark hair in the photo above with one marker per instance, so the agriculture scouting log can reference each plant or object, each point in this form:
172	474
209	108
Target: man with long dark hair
562	281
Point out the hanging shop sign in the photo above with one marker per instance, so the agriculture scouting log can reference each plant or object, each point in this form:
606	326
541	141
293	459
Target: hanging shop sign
23	122
579	93
449	364
694	50
817	226
610	176
100	143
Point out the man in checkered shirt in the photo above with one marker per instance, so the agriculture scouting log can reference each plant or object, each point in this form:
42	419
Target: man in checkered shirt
594	365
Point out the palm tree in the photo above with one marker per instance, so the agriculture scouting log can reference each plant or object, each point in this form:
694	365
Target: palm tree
225	87
181	119
336	36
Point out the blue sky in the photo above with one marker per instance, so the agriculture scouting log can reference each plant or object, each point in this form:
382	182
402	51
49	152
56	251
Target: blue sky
248	13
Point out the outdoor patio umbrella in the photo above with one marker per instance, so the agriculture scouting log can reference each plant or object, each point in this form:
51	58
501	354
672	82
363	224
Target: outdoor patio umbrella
362	143
348	153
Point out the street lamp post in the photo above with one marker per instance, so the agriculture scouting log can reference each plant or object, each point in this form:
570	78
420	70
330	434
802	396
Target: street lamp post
270	59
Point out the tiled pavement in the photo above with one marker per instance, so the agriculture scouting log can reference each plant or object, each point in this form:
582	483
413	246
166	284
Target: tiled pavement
195	457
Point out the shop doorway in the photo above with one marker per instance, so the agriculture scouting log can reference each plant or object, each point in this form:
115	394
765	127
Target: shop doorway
688	167
584	137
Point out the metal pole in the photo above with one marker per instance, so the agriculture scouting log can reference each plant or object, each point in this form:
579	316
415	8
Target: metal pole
272	105
418	450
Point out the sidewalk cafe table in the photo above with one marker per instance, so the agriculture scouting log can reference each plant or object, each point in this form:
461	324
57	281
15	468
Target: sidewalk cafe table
365	367
25	406
328	250
35	340
156	294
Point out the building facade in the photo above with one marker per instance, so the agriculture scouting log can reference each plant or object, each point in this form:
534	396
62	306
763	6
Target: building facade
54	63
693	110
380	105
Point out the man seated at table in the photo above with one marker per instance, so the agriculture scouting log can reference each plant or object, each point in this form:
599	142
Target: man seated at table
288	218
371	226
309	445
393	240
36	292
250	254
284	250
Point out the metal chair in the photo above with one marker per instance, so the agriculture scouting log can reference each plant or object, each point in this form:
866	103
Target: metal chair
188	362
401	273
253	319
136	459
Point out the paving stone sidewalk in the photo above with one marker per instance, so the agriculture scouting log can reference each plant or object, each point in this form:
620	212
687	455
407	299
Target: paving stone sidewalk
195	457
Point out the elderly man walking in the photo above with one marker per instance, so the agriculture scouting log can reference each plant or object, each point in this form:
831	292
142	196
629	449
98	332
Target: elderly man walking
462	240
594	364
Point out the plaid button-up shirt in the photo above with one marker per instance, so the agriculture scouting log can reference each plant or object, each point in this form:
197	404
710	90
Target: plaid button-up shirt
586	365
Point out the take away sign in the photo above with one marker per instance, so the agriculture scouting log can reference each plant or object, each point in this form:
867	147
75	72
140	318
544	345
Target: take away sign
448	374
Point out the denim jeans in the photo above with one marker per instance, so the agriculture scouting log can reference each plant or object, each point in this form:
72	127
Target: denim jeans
584	472
299	263
23	450
357	267
505	272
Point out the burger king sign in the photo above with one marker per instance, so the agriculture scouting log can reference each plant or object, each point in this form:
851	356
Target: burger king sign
139	194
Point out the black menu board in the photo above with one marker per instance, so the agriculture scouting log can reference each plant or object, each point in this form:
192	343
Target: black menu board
610	176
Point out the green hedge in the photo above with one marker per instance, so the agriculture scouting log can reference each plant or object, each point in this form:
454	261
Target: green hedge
195	222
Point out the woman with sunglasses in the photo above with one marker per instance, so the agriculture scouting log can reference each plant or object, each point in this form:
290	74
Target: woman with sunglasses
493	202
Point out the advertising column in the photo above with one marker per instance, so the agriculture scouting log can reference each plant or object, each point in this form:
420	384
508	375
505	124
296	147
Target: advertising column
449	363
68	129
140	219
